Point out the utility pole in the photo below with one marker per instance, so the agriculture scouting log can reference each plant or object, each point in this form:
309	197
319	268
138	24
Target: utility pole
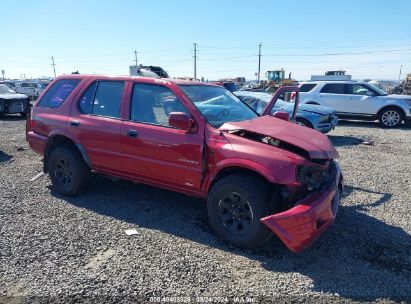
195	60
135	55
2	73
54	66
399	76
259	63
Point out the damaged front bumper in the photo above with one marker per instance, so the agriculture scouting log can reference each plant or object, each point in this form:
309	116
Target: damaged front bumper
301	225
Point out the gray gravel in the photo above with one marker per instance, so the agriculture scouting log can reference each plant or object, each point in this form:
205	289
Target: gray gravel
54	248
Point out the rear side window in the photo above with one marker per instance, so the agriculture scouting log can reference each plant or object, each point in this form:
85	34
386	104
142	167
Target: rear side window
307	87
57	94
333	88
103	98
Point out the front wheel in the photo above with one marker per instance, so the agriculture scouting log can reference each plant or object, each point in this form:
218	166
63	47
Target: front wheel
236	203
68	172
304	123
390	117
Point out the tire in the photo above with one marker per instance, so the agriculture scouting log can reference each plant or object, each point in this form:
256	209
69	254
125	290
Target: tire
251	200
67	170
304	122
390	117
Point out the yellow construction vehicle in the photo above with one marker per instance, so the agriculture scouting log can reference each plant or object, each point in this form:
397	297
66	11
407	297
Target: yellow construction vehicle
276	79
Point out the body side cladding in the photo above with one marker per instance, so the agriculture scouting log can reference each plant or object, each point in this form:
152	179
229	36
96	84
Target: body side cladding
84	154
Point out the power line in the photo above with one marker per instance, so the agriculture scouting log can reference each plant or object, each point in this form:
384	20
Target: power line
342	53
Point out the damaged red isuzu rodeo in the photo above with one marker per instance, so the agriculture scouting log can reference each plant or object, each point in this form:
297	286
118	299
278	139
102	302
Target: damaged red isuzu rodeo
259	174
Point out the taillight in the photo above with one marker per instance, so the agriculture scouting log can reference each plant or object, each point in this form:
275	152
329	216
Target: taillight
292	96
29	123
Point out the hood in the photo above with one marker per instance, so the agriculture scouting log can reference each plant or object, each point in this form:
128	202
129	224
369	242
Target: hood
316	109
316	144
13	96
289	107
397	96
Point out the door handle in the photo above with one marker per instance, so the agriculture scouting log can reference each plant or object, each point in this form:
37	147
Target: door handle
75	123
132	133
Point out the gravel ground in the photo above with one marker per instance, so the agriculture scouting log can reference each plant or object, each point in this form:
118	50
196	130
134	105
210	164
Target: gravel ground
54	248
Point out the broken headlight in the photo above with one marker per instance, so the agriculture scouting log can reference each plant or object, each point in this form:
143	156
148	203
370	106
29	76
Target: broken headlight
314	177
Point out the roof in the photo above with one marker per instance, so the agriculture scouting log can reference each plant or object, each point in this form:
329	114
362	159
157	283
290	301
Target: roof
331	81
126	77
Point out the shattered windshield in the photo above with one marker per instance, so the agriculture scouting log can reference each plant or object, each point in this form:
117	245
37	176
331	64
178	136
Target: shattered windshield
217	104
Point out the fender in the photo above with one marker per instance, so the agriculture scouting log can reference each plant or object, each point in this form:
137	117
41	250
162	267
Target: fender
242	164
64	133
392	104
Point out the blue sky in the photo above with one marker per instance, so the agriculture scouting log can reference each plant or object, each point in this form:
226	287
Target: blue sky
370	39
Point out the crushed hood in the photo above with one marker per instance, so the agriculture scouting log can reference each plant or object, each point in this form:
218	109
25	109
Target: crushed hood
316	144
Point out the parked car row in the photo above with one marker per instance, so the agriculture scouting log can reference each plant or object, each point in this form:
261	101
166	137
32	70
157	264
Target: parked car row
320	118
31	88
12	102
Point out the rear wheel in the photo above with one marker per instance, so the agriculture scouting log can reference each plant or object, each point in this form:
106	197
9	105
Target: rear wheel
390	117
304	122
235	206
68	172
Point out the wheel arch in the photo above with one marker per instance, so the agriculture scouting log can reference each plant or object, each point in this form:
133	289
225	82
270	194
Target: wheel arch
239	169
388	106
59	140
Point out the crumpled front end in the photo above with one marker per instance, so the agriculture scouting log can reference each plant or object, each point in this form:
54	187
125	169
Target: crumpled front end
301	225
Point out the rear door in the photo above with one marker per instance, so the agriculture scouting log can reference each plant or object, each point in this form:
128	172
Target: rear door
154	150
96	121
332	95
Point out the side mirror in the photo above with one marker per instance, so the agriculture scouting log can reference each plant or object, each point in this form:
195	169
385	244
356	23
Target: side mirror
180	120
282	115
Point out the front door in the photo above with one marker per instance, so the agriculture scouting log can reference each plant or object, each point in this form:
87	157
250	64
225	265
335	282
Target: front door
359	99
154	150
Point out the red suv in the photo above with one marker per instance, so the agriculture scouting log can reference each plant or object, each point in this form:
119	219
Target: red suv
259	174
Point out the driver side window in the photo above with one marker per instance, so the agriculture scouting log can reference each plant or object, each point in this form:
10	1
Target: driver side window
152	104
358	89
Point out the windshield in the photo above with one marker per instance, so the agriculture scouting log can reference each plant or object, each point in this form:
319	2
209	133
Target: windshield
217	104
379	91
5	89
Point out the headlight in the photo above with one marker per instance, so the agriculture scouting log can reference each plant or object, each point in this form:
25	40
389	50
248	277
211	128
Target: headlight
314	177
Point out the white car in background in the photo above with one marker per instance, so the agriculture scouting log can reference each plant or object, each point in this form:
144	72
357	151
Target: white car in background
358	100
31	89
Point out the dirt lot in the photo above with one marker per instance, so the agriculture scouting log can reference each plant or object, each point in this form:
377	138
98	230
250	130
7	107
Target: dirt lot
59	248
